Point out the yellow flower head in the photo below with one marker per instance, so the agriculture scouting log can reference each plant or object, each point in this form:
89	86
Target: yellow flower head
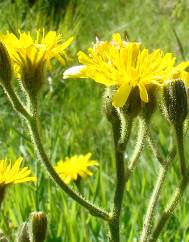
26	50
74	167
13	174
126	65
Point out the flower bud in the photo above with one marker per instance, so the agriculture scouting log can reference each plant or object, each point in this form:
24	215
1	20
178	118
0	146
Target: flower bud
23	235
2	193
33	76
2	237
175	102
109	109
5	65
37	227
149	108
133	105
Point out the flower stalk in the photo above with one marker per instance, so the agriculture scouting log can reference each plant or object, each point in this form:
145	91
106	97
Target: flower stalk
180	148
146	233
95	211
164	167
153	203
138	149
174	201
114	223
32	121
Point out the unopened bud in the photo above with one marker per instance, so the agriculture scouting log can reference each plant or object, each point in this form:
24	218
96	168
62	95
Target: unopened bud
33	76
2	237
149	108
175	102
109	109
2	193
133	105
5	65
37	226
23	235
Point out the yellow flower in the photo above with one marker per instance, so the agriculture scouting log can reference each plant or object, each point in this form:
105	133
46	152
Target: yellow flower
13	174
74	167
25	50
126	65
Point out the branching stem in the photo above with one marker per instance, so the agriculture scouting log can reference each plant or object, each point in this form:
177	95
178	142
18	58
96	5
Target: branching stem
169	209
34	130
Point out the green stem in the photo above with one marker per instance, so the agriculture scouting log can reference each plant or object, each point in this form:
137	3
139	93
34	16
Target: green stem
118	198
114	223
169	209
147	226
154	149
175	199
15	101
164	166
138	149
33	126
95	211
123	177
125	129
180	148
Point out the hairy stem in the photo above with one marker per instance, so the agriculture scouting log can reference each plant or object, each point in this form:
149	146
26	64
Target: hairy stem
15	101
114	223
147	226
180	148
34	130
95	211
154	149
175	199
138	149
164	166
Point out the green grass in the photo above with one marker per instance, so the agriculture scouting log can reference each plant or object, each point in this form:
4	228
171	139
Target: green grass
73	122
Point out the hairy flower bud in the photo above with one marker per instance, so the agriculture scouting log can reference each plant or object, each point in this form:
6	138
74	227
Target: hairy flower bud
5	65
133	105
33	76
23	235
175	102
149	108
2	237
2	193
109	109
37	226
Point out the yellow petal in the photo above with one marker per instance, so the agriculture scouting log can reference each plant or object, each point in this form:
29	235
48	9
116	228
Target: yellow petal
122	94
143	93
49	38
83	58
116	37
67	42
184	76
182	66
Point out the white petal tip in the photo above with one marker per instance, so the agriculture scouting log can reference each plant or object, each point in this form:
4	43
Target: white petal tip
72	72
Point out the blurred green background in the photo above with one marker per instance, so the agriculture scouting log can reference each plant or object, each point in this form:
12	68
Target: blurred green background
73	122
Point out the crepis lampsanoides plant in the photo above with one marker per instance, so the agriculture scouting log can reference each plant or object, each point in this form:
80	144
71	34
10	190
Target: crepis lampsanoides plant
136	81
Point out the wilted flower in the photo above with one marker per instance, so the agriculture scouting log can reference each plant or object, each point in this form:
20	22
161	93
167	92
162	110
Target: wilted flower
75	167
125	66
